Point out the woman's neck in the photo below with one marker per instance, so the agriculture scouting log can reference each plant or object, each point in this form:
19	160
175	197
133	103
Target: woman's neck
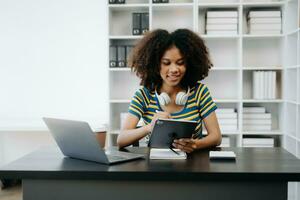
170	90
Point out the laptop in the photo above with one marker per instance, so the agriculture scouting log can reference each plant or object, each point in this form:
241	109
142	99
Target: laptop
77	140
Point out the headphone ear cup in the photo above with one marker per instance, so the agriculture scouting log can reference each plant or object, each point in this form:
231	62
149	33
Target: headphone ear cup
181	98
164	99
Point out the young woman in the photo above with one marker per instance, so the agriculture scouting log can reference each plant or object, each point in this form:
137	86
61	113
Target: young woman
171	66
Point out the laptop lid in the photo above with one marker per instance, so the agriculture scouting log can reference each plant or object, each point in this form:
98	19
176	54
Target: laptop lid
76	140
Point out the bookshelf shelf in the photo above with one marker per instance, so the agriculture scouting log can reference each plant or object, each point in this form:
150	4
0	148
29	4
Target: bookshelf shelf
226	100
263	68
273	132
129	5
263	4
262	36
161	5
125	37
262	100
219	36
218	5
119	69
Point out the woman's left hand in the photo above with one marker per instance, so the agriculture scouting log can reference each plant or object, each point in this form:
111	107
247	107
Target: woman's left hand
187	145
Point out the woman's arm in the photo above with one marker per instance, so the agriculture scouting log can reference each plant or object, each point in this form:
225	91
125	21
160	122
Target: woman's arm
212	139
129	133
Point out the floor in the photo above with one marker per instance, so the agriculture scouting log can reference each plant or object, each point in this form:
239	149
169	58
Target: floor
11	193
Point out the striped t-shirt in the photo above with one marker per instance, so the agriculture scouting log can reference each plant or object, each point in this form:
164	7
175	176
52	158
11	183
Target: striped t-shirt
144	104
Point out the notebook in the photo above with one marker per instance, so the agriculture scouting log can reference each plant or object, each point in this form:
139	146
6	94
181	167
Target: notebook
160	154
219	155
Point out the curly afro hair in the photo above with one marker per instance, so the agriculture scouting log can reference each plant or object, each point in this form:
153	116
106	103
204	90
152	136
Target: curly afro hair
145	59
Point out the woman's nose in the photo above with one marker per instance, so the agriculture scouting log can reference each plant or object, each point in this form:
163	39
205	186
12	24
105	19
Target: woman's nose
173	67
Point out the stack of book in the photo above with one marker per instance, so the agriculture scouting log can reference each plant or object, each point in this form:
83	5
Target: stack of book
256	119
221	22
258	142
264	22
264	84
227	118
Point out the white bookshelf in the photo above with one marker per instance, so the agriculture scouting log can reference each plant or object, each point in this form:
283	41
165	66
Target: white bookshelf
235	57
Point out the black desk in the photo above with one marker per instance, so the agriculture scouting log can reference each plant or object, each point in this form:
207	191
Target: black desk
257	173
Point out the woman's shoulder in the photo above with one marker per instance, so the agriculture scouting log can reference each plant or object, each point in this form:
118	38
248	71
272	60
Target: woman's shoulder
199	85
145	93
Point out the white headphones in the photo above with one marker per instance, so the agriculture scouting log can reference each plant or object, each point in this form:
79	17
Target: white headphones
181	98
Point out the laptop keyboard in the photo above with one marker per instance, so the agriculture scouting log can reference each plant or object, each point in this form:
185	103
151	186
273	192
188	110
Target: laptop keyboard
116	156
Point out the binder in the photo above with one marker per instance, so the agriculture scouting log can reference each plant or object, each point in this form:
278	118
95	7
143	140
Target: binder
156	1
113	56
144	22
164	1
121	56
128	51
111	1
136	23
120	1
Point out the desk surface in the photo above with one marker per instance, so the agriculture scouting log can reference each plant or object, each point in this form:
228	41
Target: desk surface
252	164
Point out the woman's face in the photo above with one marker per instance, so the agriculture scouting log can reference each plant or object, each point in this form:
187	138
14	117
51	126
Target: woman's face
172	67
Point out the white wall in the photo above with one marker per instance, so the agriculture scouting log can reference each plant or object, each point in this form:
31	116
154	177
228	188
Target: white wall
53	62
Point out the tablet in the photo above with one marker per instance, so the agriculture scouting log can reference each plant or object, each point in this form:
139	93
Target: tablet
166	130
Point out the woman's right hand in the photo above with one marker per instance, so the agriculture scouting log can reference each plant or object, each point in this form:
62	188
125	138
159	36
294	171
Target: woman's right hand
158	115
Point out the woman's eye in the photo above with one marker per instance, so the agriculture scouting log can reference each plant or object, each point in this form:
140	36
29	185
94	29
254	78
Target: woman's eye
166	63
180	63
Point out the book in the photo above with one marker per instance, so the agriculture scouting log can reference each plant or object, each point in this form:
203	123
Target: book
226	27
223	32
113	56
120	1
257	121
269	141
273	90
265	20
144	22
213	20
265	26
223	14
265	13
227	127
225	110
227	121
222	155
265	32
257	127
121	59
158	154
136	23
256	116
128	52
111	1
226	115
254	109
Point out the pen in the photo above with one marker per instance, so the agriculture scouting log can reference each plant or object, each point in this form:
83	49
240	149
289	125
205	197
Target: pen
174	151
